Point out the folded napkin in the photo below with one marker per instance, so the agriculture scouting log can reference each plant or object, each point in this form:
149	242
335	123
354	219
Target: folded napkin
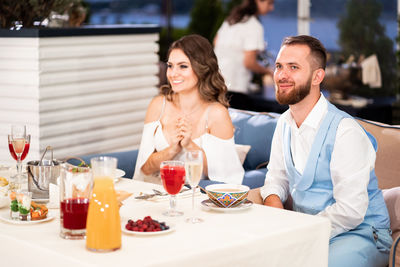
54	196
184	194
122	195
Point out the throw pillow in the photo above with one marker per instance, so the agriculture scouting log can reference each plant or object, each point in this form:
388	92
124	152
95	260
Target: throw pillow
242	151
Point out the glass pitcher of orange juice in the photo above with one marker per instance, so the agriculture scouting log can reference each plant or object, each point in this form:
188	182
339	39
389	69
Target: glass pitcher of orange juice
103	229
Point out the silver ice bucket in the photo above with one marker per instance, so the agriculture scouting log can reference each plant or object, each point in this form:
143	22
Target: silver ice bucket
40	176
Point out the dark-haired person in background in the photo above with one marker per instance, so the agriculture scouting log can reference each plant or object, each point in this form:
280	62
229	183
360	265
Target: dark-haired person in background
237	44
324	161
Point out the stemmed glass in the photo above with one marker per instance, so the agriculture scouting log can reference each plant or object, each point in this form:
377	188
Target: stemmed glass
173	178
18	144
194	170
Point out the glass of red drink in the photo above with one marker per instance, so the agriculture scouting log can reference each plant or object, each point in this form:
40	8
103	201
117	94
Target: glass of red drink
173	178
75	188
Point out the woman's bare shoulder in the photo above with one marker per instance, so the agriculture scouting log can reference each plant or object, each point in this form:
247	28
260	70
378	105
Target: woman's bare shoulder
218	111
220	123
154	109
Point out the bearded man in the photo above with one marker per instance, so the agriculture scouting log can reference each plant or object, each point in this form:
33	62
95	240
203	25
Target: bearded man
323	160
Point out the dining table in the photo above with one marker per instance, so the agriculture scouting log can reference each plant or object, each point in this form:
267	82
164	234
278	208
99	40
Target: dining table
251	235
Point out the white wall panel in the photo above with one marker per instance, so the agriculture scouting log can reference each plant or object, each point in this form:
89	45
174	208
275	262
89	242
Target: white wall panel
81	95
50	78
91	87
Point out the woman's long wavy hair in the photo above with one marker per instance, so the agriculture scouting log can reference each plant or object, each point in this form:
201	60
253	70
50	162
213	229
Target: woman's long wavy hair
246	9
211	84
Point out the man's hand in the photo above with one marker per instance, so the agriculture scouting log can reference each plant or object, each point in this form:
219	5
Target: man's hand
273	201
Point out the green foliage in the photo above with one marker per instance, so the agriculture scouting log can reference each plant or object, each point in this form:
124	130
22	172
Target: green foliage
29	11
362	34
206	17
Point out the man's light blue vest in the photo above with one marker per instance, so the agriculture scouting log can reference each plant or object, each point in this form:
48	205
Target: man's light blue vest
312	192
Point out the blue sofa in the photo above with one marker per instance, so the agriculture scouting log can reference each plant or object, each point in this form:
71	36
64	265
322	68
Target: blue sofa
251	128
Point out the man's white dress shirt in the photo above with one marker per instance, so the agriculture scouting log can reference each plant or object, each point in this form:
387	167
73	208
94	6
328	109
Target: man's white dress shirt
353	158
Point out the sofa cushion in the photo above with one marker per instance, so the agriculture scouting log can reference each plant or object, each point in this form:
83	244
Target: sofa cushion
255	129
126	160
255	178
242	151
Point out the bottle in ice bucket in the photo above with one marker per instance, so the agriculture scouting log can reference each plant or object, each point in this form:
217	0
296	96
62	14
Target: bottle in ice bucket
103	229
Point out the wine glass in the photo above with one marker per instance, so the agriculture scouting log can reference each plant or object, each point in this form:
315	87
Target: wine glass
18	144
194	170
173	178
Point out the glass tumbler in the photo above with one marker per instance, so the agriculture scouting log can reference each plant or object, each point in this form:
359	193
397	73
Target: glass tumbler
75	188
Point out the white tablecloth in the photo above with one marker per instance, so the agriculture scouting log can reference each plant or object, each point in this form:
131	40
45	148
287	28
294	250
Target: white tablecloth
258	236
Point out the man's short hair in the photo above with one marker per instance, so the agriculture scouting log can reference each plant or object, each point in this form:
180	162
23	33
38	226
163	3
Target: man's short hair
318	51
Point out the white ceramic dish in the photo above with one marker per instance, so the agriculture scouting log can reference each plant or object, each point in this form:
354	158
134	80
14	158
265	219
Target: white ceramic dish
208	204
118	174
5	217
171	229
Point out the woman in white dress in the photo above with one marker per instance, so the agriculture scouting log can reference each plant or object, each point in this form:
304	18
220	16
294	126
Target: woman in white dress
190	113
237	43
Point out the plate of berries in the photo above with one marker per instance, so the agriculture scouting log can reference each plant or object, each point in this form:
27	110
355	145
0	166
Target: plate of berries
147	226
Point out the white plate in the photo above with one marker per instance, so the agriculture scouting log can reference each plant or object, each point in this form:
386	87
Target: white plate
208	204
171	229
5	217
4	201
118	174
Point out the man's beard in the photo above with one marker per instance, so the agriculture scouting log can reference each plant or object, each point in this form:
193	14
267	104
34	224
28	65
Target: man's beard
297	94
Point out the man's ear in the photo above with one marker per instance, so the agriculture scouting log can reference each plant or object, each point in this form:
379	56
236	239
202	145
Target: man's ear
318	76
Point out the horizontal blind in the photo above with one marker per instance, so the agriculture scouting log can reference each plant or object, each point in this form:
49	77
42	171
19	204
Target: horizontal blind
80	95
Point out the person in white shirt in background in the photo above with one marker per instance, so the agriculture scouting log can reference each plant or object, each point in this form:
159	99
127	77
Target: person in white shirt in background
323	160
237	43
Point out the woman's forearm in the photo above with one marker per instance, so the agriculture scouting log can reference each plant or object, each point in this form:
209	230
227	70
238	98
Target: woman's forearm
251	63
153	163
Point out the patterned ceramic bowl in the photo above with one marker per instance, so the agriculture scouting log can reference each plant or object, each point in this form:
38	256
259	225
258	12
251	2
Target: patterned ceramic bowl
227	195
